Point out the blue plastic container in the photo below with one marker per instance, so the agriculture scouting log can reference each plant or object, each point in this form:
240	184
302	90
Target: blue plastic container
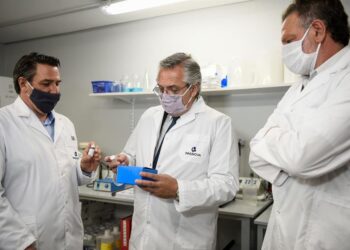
102	86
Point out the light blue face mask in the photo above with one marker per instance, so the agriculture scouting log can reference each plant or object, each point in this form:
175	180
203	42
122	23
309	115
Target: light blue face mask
172	104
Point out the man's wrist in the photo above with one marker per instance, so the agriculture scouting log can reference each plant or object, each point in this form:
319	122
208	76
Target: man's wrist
177	197
86	173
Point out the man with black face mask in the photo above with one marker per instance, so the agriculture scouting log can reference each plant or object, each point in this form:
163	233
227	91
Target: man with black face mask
40	168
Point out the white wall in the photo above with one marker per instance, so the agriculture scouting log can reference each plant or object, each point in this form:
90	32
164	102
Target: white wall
2	69
250	30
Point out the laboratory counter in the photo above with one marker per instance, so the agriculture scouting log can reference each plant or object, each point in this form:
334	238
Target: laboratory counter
241	210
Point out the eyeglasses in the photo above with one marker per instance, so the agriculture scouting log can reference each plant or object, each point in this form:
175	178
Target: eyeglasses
159	90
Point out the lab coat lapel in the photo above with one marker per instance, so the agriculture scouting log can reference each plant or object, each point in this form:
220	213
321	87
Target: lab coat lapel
190	115
324	77
30	117
318	81
58	126
185	118
157	119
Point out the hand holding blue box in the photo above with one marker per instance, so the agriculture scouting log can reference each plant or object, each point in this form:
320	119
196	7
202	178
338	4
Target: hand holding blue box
128	174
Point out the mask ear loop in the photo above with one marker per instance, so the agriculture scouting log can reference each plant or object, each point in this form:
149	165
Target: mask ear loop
315	59
187	90
30	87
190	98
303	38
317	50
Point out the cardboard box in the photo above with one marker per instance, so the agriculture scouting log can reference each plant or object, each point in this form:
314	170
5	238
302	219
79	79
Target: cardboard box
125	231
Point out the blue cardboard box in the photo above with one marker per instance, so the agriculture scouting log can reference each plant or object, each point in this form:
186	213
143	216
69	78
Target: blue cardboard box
128	174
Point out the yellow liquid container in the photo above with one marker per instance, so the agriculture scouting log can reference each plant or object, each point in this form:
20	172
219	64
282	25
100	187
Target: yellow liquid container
107	241
116	238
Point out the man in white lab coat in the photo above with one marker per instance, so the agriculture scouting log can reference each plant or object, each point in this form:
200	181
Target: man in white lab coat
40	168
304	148
196	159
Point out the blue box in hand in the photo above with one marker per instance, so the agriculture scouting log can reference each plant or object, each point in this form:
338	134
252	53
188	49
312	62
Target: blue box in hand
128	174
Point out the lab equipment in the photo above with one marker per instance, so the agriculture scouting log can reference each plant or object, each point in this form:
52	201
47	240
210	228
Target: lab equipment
251	188
112	158
128	174
128	85
137	84
212	75
108	185
91	150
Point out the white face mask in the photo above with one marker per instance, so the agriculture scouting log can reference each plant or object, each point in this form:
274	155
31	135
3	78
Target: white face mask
296	59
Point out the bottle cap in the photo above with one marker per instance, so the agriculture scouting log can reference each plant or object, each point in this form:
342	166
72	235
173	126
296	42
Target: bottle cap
107	233
115	230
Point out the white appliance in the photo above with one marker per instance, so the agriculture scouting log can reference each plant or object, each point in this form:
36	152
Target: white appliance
7	91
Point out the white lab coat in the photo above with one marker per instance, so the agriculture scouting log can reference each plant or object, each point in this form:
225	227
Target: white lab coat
199	151
39	182
304	151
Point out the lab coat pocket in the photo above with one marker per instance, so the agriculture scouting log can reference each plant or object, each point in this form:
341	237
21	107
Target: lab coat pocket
71	149
328	223
71	152
194	148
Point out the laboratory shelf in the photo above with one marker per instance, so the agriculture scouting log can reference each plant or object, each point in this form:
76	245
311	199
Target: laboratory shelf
247	89
244	90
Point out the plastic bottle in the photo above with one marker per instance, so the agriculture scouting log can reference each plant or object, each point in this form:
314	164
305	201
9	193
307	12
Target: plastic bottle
116	238
146	85
98	242
137	83
128	86
234	73
107	241
91	150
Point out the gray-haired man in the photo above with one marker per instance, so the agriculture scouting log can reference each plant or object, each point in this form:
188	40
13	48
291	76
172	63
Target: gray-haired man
192	147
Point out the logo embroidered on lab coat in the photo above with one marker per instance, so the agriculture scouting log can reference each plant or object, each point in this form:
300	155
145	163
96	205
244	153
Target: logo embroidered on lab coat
76	155
193	152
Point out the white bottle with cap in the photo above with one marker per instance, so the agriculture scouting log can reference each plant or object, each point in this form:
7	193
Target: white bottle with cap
91	150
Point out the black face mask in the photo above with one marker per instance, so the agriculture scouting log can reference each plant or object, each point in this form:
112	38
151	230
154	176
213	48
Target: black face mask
44	101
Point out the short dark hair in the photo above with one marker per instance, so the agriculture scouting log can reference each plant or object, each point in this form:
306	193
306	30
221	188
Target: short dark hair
26	66
331	12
